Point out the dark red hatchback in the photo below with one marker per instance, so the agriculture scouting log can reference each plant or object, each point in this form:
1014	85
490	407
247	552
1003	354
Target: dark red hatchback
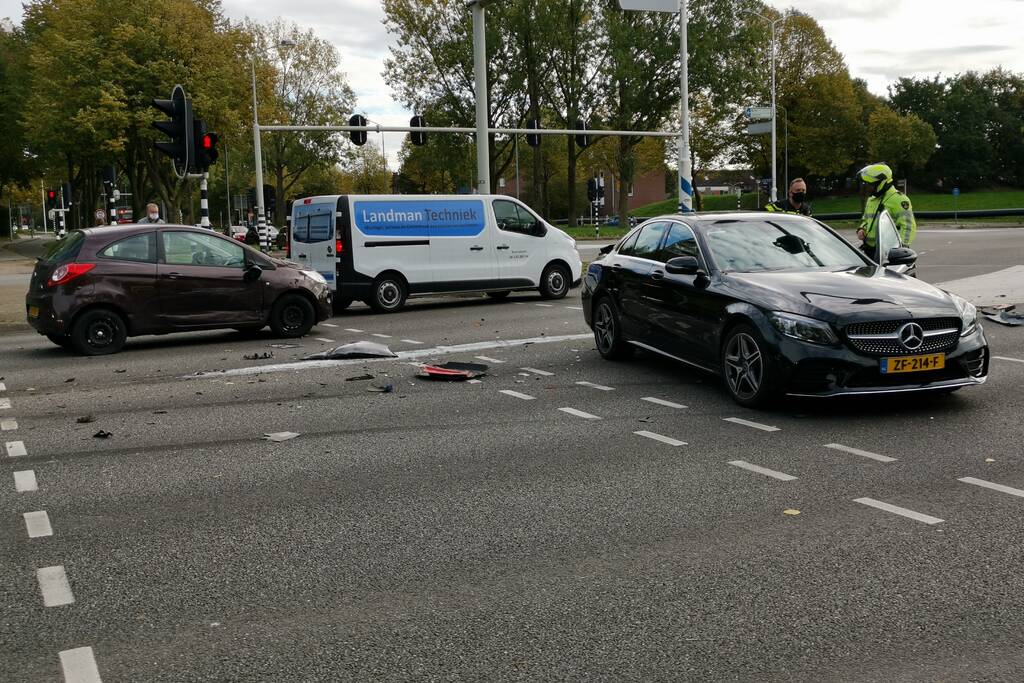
97	287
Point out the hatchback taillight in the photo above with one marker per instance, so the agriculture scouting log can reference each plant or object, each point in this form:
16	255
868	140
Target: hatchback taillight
68	272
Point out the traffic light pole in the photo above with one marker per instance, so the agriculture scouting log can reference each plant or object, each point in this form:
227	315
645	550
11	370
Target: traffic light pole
685	167
204	202
42	191
261	211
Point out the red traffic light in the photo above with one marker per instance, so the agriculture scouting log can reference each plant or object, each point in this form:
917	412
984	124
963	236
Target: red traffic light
51	194
207	141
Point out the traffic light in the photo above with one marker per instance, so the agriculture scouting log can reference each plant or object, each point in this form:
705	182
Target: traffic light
533	140
51	199
592	189
180	128
68	197
109	175
418	138
582	139
269	198
358	136
600	189
206	153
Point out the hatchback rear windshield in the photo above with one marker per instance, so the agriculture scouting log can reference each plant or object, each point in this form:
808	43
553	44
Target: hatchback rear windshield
753	246
65	250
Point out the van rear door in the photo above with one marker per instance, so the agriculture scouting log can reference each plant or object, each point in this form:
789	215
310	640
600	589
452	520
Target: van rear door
313	240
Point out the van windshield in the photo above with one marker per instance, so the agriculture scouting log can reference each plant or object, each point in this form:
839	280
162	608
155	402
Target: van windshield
65	250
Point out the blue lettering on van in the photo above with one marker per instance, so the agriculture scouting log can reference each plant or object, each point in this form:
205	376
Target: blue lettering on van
425	218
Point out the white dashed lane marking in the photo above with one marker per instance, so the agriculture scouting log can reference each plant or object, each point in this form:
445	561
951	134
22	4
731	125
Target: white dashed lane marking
328	324
381	336
53	583
743	464
575	308
659	437
896	510
857	451
579	413
5	404
15	449
545	305
8	425
412	341
516	394
995	487
25	480
352	329
79	666
542	373
473	381
662	402
748	423
325	340
600	387
1012	360
38	524
488	359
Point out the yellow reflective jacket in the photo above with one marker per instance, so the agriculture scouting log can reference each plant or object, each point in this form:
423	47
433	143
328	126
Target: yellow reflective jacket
900	210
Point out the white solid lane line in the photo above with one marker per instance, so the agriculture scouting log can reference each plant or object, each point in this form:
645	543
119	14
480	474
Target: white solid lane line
545	305
896	510
15	449
5	404
1012	360
743	464
8	425
328	324
748	423
542	373
352	329
516	394
79	666
324	340
662	402
995	487
857	451
575	308
25	480
381	336
600	387
659	437
38	524
488	359
579	413
53	582
413	341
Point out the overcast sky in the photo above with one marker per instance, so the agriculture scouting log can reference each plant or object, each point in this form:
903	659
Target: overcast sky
881	39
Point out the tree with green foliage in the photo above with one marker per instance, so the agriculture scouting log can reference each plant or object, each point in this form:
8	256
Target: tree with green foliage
906	143
15	83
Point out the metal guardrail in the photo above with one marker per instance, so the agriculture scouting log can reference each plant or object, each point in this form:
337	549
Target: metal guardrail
956	215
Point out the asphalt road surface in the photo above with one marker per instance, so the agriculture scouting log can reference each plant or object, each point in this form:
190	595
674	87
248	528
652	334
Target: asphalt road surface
565	518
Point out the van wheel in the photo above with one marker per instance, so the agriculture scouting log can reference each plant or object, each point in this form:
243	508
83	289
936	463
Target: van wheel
499	295
554	283
99	332
293	316
341	304
389	293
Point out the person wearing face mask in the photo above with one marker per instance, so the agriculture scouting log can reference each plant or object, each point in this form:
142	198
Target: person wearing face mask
882	195
152	214
796	202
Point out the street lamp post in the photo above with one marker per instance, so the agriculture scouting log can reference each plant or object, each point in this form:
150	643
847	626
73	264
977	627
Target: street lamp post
773	23
261	213
483	152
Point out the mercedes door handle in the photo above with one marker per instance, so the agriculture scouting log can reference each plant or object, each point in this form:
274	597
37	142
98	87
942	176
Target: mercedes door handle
502	246
172	276
476	248
616	267
302	256
658	275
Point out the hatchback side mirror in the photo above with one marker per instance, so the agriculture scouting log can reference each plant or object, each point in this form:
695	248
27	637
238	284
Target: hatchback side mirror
252	273
901	256
683	265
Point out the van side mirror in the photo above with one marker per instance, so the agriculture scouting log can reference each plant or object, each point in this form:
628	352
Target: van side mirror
901	256
252	273
683	265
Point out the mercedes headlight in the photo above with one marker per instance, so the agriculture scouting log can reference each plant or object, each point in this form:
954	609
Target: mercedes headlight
804	329
313	275
968	315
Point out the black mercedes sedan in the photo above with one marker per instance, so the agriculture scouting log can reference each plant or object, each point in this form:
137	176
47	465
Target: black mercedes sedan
780	304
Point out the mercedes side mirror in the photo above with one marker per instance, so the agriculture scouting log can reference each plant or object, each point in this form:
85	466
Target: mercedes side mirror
901	256
252	273
683	265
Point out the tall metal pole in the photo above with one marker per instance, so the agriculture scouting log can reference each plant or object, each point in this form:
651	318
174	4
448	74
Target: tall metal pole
257	152
227	187
42	192
204	201
685	168
483	160
516	139
775	187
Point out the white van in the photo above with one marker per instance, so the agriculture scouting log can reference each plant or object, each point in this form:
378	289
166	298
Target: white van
382	249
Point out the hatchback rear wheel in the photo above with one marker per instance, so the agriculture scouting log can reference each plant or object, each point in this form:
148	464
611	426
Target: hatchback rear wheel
99	332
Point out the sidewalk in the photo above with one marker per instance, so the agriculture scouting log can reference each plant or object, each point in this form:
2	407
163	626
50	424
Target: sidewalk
15	272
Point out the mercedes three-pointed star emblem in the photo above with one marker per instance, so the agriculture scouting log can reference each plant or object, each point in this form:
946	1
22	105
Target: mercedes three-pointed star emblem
911	336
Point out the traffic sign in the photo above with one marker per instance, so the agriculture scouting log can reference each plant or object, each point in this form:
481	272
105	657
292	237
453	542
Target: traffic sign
651	5
956	191
52	214
760	128
758	113
101	215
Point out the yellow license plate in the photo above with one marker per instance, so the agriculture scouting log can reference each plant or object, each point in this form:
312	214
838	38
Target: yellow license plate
33	311
935	361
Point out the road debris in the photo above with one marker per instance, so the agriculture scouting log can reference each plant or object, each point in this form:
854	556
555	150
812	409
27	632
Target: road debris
1004	314
361	349
453	371
791	512
258	356
85	419
358	378
285	346
386	389
69	379
102	434
280	436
